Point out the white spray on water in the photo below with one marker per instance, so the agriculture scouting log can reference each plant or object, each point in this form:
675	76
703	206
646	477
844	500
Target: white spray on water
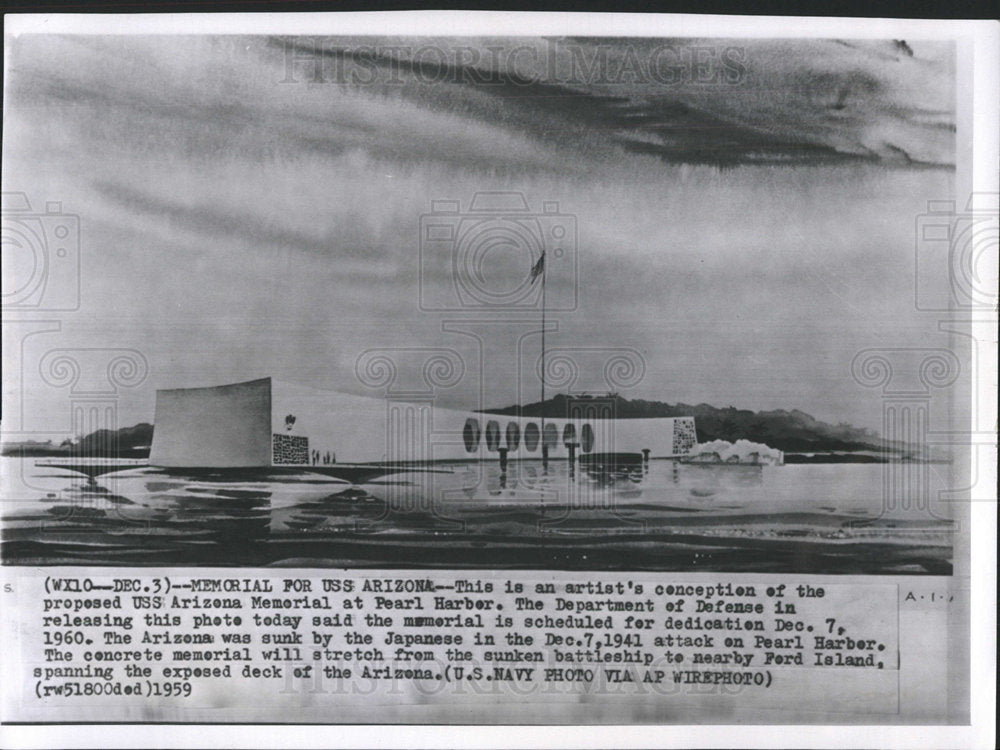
743	451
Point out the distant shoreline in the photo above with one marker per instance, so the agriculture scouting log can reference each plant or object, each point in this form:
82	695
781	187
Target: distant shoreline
802	438
16	451
21	451
856	458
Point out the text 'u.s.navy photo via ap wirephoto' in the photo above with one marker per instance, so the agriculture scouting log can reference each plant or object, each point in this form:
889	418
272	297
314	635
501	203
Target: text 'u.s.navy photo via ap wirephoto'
622	373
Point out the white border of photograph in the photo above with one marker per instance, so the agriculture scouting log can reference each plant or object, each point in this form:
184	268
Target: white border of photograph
979	39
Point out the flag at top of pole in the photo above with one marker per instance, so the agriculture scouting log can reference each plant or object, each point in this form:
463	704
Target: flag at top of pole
538	268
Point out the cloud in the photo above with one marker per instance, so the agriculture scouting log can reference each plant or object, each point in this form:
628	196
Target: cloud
723	102
748	235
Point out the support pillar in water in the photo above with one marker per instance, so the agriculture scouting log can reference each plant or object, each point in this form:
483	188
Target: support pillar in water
503	460
571	447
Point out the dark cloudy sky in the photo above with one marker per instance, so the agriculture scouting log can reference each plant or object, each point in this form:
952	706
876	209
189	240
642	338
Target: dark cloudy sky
744	211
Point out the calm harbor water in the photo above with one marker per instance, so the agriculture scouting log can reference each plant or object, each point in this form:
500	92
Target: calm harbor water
813	518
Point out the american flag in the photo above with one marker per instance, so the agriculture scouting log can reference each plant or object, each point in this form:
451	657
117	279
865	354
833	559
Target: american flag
538	268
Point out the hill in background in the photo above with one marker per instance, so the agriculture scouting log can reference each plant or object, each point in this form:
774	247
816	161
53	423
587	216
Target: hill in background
128	442
789	431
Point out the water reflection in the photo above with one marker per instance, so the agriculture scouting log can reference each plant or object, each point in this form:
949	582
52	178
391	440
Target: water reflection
602	515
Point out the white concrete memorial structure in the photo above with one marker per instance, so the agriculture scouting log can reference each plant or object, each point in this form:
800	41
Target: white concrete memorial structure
265	423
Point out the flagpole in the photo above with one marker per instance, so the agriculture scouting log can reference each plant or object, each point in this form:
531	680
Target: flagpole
543	337
545	450
536	269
